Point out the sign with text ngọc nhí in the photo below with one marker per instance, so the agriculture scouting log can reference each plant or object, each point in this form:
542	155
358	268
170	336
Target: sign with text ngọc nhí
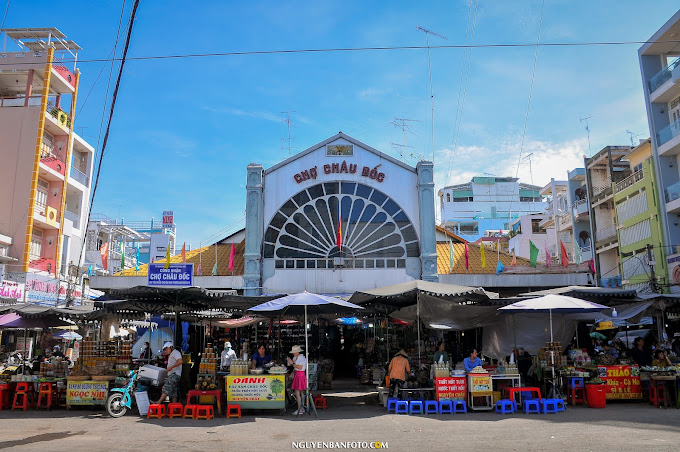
87	392
176	275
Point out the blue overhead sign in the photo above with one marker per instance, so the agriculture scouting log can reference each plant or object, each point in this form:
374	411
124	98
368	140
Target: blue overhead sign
176	275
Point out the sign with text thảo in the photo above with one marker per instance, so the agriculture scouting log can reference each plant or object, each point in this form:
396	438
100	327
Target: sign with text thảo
176	275
480	382
450	388
87	392
622	382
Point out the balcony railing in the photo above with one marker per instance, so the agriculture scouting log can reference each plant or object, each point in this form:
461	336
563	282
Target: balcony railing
605	233
579	202
629	181
602	186
662	76
73	217
565	219
40	208
668	133
673	192
79	176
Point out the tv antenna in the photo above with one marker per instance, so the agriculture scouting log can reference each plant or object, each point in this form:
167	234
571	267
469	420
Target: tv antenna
429	67
405	126
401	149
633	135
290	124
588	132
531	178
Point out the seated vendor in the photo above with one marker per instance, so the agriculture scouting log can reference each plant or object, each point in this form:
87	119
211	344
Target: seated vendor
440	356
261	357
472	361
609	350
661	359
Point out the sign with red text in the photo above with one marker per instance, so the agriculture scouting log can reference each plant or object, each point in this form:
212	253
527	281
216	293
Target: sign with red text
42	289
340	168
168	218
256	391
87	392
622	382
450	388
480	382
12	289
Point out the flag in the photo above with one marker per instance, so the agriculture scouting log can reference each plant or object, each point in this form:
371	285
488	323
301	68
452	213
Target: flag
499	267
592	266
533	254
89	271
199	272
232	254
514	260
137	259
167	256
214	270
104	251
184	252
338	239
467	257
565	255
122	255
577	252
481	251
548	259
450	255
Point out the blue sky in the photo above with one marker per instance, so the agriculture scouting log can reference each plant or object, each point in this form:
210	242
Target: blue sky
185	129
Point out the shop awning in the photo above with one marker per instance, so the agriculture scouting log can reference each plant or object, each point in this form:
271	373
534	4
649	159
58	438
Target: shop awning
586	292
29	310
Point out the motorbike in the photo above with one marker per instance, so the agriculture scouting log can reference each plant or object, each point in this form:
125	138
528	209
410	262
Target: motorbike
122	399
15	364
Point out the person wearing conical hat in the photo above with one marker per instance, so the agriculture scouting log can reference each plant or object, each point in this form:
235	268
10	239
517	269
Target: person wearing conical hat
398	371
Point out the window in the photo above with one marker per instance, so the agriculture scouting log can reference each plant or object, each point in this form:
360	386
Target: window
536	228
36	245
448	197
529	199
339	149
468	228
466	199
637	168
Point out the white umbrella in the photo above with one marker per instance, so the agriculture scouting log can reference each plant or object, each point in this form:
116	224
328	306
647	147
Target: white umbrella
70	335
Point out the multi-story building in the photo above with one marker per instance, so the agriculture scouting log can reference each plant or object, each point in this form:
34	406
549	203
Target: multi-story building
487	204
577	199
528	228
558	217
45	167
660	68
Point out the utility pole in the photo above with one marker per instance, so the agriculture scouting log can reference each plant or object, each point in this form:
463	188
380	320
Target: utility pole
588	132
289	123
429	66
652	264
632	136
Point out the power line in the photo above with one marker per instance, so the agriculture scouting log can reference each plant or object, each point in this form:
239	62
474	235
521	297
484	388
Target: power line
429	67
2	24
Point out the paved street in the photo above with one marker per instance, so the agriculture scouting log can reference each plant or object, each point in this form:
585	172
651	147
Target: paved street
352	416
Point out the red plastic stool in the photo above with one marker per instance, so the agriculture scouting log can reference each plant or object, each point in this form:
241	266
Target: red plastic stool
321	402
156	410
657	393
190	411
175	410
45	395
25	392
5	397
204	412
233	411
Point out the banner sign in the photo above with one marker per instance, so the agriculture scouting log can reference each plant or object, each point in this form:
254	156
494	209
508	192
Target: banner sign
176	275
480	382
451	388
623	382
168	218
87	392
11	289
255	388
42	289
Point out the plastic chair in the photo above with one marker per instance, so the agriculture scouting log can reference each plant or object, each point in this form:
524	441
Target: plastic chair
549	406
391	403
22	395
431	407
175	410
531	406
401	407
190	411
205	412
233	411
156	410
505	406
45	394
445	406
415	407
459	406
321	402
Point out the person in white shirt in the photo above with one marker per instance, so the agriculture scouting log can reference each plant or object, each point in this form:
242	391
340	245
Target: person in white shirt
299	363
171	385
227	356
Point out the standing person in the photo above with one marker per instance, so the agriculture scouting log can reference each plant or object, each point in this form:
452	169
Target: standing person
146	351
171	385
641	356
299	363
472	361
398	371
440	356
227	356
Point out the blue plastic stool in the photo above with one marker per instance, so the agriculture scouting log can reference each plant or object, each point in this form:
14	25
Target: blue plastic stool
575	382
549	406
445	406
532	406
459	406
525	395
505	406
560	405
431	407
415	407
401	407
391	403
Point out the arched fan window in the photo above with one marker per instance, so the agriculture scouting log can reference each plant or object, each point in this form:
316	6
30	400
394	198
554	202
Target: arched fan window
375	230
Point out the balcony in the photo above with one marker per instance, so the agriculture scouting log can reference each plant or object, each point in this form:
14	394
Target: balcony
668	139
629	181
79	176
673	198
664	86
565	221
605	233
586	253
47	217
74	217
580	208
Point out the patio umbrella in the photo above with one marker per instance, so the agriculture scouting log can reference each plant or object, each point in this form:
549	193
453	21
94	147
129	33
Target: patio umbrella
596	335
16	321
69	336
306	302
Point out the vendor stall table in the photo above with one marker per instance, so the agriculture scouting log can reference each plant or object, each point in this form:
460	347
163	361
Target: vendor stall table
216	393
257	391
670	386
510	392
513	379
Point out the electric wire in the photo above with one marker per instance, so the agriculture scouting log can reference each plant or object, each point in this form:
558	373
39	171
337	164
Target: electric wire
2	24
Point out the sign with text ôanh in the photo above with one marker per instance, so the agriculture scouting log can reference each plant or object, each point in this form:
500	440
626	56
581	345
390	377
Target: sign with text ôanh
252	391
86	392
176	275
450	388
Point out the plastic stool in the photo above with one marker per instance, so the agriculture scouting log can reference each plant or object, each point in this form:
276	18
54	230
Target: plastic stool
459	406
445	406
391	402
156	410
549	406
190	411
205	412
401	407
531	406
23	391
560	405
234	411
657	393
415	407
505	406
576	391
46	395
175	410
321	402
431	407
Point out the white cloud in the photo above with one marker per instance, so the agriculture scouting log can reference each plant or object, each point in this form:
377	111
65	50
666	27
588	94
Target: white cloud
255	114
